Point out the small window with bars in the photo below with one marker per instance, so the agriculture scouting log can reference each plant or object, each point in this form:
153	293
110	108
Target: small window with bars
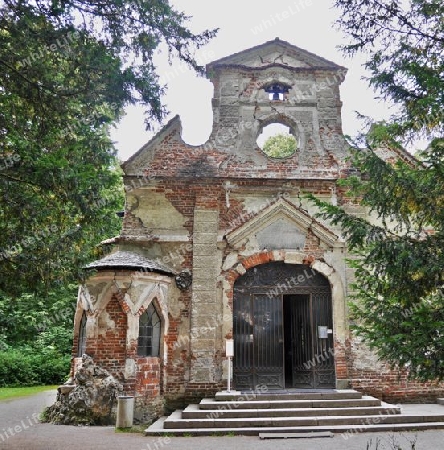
149	333
81	346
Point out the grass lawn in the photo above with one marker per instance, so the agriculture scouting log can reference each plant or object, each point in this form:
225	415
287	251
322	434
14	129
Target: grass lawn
8	393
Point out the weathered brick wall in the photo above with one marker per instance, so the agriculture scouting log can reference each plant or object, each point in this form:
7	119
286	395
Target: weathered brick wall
149	402
373	377
110	349
395	387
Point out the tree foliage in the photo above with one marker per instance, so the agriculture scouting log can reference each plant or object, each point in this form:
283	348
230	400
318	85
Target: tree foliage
36	337
280	145
404	44
39	321
68	68
398	306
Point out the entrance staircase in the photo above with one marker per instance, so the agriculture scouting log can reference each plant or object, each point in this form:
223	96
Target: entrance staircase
340	411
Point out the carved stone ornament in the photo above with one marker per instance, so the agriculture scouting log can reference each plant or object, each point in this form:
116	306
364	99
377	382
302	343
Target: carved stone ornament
183	280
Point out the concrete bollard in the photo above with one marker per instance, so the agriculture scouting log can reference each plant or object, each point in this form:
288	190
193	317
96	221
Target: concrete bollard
125	411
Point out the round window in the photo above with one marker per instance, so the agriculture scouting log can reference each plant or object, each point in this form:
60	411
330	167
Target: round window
276	141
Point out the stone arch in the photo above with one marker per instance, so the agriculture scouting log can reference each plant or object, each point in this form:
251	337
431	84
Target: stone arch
93	304
134	292
95	294
292	257
340	327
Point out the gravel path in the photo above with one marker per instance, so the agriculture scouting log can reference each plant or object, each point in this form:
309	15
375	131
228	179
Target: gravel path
20	429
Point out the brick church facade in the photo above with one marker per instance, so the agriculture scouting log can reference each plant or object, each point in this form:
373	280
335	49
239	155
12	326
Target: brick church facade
219	242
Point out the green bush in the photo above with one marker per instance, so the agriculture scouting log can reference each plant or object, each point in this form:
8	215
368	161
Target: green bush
53	367
26	367
16	368
36	337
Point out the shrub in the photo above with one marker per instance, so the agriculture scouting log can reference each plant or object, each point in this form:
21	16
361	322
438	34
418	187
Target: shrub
25	367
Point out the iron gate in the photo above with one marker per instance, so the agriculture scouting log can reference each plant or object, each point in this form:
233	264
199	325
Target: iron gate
278	309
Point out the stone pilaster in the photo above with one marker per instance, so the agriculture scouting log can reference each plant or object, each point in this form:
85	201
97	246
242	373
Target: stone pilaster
204	308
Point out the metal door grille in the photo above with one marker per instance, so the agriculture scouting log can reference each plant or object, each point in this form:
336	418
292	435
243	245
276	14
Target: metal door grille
258	342
313	356
265	341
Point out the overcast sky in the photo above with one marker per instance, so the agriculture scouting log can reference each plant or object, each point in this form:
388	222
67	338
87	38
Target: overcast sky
243	24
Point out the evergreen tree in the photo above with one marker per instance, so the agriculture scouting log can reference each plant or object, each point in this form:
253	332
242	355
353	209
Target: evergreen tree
68	68
399	307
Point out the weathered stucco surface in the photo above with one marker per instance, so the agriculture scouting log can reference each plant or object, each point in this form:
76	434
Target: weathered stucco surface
155	211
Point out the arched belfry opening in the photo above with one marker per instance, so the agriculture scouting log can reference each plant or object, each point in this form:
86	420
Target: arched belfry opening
283	328
277	91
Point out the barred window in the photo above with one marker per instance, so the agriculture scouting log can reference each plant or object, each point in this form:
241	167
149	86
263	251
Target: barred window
149	333
81	346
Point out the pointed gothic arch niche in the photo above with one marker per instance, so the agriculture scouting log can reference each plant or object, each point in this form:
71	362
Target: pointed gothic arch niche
150	332
81	341
152	294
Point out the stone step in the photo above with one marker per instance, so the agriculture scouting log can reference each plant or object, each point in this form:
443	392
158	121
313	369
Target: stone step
176	421
303	394
208	403
194	412
157	429
249	413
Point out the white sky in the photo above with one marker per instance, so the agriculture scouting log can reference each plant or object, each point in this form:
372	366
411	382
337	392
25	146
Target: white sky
243	24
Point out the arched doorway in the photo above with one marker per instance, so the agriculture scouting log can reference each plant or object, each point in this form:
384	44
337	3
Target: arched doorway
282	328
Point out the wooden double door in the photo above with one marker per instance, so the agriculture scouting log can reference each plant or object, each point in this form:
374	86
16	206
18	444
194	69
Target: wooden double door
282	327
